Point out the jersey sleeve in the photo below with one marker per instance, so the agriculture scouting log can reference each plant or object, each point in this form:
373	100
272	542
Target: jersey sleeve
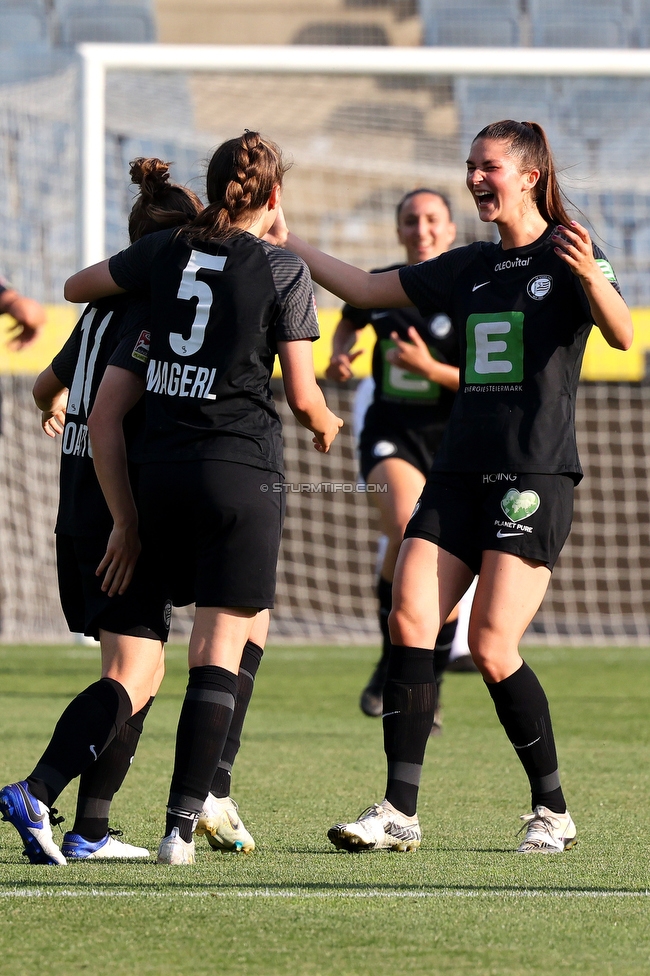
293	287
360	317
63	364
131	268
132	350
429	285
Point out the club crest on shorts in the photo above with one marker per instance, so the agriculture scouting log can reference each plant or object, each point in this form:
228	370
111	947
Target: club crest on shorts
518	505
384	449
540	286
440	326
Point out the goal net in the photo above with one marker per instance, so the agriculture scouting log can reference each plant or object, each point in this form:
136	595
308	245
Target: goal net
362	126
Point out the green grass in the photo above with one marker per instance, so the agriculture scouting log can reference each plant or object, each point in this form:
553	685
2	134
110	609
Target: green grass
463	904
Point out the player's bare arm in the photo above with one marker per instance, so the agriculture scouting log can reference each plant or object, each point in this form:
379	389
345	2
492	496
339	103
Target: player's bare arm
119	391
51	398
90	284
611	314
304	396
344	339
357	287
29	318
415	357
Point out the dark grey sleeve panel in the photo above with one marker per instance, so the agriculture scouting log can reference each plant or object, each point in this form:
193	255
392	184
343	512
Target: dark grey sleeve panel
132	350
295	293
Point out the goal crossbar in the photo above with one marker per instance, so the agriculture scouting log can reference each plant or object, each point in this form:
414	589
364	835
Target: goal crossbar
97	59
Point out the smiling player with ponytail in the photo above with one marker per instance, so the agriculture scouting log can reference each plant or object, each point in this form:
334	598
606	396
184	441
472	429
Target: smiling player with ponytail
498	501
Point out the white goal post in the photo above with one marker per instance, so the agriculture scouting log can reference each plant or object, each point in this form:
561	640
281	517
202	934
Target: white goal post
97	59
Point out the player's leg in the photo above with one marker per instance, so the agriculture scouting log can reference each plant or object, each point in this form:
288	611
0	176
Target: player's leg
509	592
130	660
219	820
400	485
429	582
216	645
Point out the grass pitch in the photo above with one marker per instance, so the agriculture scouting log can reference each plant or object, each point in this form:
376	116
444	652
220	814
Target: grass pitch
463	904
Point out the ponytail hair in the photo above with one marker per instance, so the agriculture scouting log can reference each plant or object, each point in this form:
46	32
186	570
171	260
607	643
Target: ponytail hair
159	204
240	178
529	143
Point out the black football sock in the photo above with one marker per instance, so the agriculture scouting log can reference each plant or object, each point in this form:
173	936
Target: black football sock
442	650
410	697
80	736
250	662
385	595
101	781
523	711
202	730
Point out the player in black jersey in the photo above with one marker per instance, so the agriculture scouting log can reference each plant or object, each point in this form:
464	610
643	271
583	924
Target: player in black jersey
98	733
415	373
223	303
499	497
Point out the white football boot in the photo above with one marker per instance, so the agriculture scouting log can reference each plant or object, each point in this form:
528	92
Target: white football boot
174	850
380	827
220	822
547	832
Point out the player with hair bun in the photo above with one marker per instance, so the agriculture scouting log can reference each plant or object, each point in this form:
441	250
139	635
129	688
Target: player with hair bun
415	374
223	303
499	499
97	735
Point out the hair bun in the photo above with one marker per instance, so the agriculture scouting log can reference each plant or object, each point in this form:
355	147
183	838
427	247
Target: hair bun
151	175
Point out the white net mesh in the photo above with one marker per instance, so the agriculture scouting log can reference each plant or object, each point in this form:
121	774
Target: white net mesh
358	142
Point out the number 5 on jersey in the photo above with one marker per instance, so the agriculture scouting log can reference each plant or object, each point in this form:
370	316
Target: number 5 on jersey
495	347
191	287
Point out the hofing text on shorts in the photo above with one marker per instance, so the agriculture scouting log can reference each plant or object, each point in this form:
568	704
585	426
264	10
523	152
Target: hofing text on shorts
323	487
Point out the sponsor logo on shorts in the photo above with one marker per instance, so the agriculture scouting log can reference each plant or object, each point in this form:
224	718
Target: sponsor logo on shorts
141	348
518	505
440	326
507	535
384	449
540	286
491	479
520	530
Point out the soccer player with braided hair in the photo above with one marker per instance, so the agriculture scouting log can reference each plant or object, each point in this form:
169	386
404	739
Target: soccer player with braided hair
499	498
224	302
97	735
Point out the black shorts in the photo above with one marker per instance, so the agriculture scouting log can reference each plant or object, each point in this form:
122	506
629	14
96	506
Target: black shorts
143	611
528	515
214	529
383	437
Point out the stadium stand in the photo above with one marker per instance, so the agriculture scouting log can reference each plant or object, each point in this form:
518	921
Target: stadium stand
23	24
107	23
495	22
555	23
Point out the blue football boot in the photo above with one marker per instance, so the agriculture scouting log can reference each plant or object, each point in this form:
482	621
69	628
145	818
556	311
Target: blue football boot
77	848
31	818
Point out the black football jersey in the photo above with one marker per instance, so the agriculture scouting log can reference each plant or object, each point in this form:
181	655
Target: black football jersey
523	320
218	311
112	329
400	394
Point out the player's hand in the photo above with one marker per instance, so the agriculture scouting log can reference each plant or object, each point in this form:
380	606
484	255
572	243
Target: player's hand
339	366
119	562
413	356
53	420
30	319
573	246
323	439
278	233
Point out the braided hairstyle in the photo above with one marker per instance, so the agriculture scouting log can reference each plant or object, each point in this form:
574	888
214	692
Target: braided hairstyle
159	204
240	177
529	143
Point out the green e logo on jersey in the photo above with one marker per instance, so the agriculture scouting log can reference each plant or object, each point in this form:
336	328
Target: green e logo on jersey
401	384
495	347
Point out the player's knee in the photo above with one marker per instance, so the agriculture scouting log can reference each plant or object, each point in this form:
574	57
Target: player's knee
404	622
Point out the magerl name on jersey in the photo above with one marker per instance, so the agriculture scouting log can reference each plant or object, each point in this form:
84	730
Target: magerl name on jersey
174	379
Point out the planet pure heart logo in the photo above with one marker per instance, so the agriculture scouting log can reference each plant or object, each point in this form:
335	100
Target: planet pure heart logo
519	505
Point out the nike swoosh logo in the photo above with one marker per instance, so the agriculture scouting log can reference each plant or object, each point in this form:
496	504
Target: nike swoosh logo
379	315
506	535
386	714
33	815
482	285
